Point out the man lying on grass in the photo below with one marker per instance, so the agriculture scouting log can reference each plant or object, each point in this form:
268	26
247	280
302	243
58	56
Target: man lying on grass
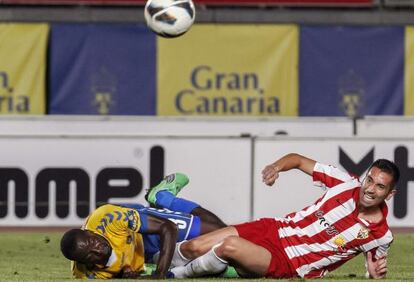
348	219
116	240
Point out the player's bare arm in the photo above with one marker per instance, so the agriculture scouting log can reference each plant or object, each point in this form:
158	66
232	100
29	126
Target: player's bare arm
290	161
167	231
376	269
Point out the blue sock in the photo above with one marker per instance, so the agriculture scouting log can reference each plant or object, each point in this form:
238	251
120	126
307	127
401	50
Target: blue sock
164	199
183	205
167	200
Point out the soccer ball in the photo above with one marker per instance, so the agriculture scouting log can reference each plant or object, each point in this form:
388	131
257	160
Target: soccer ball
169	18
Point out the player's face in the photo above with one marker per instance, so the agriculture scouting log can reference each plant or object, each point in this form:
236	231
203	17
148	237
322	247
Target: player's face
376	187
95	250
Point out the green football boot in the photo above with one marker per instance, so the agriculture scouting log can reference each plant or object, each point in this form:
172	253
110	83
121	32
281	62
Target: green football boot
172	183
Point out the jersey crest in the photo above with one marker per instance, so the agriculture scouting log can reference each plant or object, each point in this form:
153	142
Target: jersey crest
363	233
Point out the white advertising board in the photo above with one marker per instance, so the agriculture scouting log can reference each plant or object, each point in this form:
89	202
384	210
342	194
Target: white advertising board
386	127
166	126
294	190
49	181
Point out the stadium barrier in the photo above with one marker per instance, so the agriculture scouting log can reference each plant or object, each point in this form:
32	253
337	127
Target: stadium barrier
398	3
311	3
386	127
55	170
60	125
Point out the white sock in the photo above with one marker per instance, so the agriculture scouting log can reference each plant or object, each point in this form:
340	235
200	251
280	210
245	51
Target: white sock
178	258
208	263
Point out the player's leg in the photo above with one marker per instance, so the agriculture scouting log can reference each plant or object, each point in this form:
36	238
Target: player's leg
209	221
164	195
202	244
172	183
239	253
188	227
234	250
185	251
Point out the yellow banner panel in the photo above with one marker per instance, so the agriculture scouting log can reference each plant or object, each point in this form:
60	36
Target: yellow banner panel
23	68
229	70
409	71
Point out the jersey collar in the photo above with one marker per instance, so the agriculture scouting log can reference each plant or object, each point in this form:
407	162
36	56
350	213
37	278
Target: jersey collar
111	260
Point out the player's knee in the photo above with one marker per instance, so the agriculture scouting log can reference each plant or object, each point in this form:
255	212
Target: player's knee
192	248
228	247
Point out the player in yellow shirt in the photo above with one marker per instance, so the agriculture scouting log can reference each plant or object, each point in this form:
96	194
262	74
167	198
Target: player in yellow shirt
110	245
112	242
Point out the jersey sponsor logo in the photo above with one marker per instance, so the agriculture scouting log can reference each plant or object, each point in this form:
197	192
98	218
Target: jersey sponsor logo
340	242
330	229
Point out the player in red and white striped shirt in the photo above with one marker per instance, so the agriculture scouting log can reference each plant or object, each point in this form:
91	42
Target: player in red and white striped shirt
348	219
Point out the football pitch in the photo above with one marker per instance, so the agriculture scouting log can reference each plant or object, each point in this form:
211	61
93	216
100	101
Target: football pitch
36	257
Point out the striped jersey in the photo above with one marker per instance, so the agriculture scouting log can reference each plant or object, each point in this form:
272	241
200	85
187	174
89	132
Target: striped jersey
325	235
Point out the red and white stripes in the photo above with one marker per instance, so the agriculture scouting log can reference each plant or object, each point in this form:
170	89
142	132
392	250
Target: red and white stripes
328	233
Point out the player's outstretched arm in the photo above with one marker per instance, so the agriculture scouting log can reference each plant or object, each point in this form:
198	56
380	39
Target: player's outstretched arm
376	269
290	161
167	231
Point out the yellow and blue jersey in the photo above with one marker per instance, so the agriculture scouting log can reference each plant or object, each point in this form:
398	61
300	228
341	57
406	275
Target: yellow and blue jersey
120	226
188	227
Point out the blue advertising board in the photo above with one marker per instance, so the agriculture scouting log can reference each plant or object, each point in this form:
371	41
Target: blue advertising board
102	69
351	71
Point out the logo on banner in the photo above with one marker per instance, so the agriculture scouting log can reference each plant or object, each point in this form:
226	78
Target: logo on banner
63	178
11	102
217	92
103	87
230	77
401	159
351	90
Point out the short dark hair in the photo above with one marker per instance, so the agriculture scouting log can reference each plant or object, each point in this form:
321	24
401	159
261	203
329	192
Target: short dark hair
389	167
69	243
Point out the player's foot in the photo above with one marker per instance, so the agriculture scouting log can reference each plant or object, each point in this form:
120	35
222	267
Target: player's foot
172	183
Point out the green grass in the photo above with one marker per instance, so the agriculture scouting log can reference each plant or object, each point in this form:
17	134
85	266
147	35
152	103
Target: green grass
36	257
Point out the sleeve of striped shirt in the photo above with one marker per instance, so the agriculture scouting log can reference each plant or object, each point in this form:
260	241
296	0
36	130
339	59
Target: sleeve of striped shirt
377	253
382	250
328	176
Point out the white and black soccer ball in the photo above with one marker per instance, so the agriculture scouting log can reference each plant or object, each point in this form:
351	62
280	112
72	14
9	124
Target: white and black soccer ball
169	18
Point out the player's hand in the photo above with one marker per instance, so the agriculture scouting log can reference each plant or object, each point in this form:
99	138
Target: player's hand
269	174
377	269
